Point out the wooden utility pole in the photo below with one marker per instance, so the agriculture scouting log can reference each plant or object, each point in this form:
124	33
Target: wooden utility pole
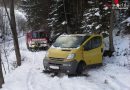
1	73
14	32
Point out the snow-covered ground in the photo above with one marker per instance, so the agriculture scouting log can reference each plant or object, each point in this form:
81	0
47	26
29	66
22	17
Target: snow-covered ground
113	75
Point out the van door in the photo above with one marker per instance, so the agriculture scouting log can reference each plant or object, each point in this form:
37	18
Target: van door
93	51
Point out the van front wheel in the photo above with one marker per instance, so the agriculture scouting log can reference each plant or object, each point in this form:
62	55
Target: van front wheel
81	67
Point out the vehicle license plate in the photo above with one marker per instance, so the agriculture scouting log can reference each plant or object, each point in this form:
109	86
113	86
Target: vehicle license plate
54	67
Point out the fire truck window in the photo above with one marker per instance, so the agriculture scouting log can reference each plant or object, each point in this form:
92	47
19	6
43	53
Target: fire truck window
42	35
34	35
38	35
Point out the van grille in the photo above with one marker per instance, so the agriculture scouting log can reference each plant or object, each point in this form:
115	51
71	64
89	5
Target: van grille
56	59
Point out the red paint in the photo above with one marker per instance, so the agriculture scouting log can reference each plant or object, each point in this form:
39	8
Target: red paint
116	2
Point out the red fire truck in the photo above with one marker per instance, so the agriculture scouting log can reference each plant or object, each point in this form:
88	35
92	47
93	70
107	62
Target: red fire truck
37	39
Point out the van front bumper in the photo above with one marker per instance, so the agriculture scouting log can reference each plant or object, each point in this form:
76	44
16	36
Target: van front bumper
68	67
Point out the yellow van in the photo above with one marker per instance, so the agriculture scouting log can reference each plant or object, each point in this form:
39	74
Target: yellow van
72	53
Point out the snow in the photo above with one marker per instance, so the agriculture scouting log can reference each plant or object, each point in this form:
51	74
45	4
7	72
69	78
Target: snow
127	20
20	21
64	22
113	75
105	8
53	11
20	15
90	2
24	0
97	27
97	14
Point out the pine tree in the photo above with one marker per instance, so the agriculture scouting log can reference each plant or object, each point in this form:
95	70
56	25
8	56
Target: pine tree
75	10
92	18
105	11
36	13
56	16
96	17
127	15
67	14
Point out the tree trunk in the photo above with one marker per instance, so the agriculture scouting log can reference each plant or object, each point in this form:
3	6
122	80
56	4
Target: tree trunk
111	45
1	73
14	32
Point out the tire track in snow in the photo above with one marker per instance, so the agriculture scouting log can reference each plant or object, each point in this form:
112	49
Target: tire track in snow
29	87
116	84
34	63
29	77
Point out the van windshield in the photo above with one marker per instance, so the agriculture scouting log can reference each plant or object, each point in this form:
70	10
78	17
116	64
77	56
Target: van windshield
38	35
69	41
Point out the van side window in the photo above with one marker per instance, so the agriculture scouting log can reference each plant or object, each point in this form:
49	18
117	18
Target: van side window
96	42
88	45
93	43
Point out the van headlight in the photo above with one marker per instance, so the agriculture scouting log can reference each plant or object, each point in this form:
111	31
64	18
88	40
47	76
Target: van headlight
71	56
32	42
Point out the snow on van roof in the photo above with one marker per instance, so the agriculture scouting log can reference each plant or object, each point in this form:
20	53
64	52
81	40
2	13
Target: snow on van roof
74	35
78	34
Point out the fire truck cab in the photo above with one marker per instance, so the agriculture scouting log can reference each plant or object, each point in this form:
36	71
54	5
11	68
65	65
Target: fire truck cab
37	39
